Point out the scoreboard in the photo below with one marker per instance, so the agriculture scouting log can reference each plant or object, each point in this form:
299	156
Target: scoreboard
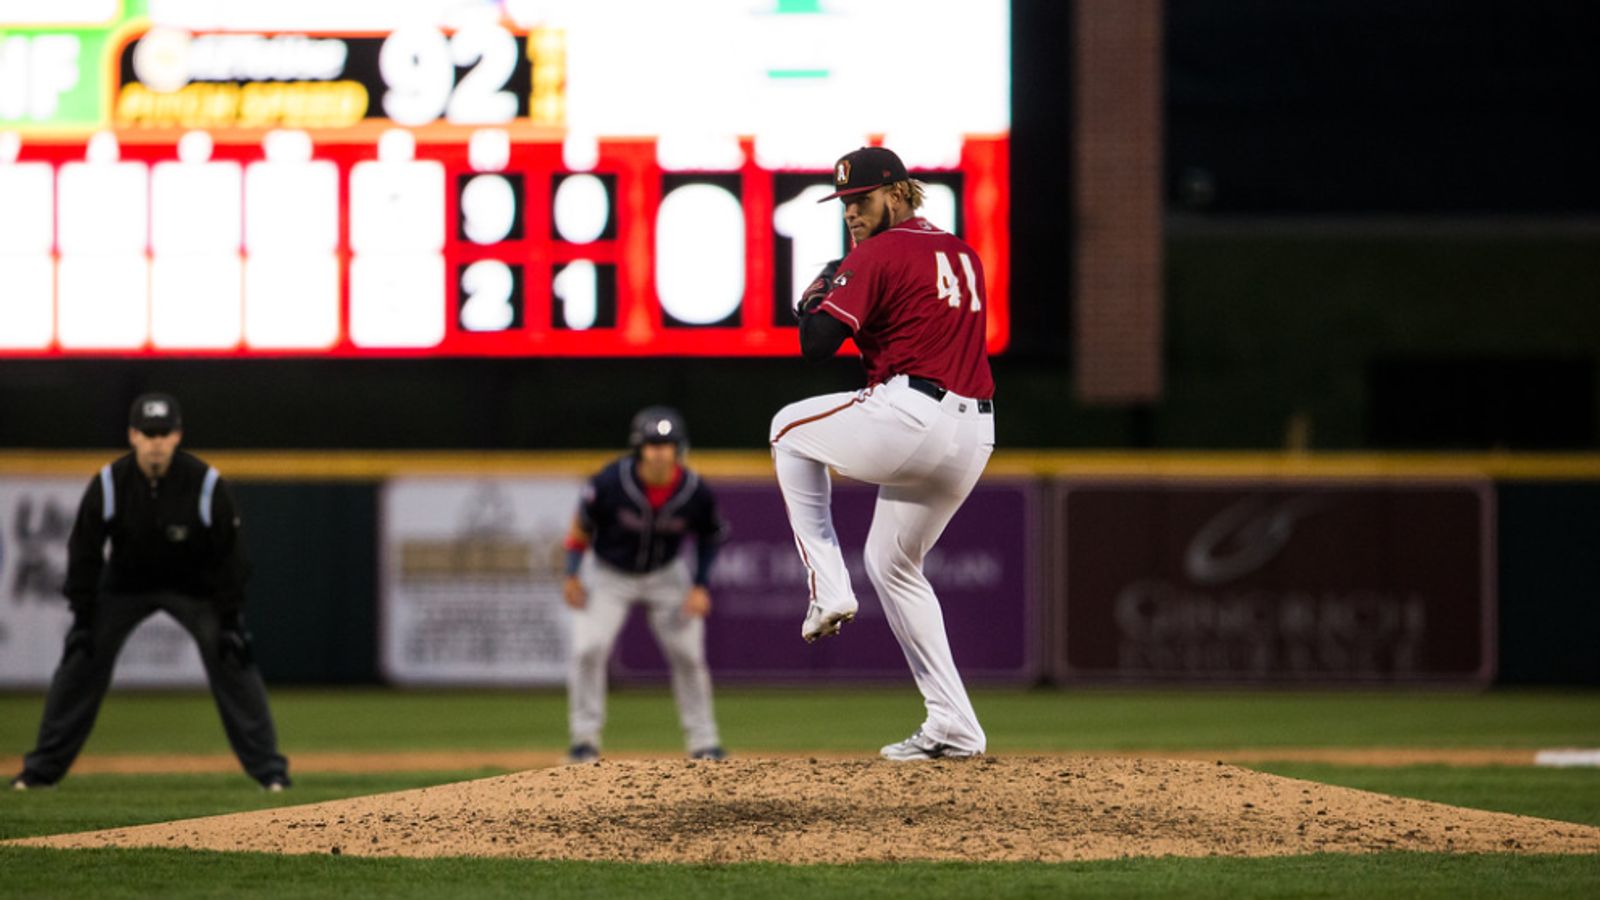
365	178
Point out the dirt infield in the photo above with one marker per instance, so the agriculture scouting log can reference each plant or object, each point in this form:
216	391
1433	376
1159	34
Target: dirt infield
518	760
811	810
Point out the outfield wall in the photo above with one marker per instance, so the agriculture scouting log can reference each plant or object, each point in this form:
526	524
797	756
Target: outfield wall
1069	568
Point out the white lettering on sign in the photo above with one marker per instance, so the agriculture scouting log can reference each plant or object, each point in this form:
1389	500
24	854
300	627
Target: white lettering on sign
1244	537
250	57
166	59
34	73
1165	628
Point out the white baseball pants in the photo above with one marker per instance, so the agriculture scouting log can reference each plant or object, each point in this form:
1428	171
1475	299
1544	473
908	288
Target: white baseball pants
611	592
925	455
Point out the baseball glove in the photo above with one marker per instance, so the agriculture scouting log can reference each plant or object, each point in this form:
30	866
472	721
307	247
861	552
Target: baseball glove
817	289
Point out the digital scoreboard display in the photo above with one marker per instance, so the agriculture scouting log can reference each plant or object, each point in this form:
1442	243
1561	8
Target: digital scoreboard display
381	178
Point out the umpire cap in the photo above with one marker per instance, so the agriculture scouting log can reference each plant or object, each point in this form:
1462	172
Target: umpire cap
658	425
155	414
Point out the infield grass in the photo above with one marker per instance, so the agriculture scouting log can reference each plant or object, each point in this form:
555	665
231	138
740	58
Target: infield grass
849	718
1572	795
839	718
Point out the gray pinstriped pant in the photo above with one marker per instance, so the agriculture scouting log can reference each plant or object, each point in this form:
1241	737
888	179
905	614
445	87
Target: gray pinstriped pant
612	592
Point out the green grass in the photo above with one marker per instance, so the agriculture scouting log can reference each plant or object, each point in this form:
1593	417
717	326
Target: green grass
849	717
165	873
838	718
1572	795
88	802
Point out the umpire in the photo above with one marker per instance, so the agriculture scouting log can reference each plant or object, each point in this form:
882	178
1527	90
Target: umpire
175	547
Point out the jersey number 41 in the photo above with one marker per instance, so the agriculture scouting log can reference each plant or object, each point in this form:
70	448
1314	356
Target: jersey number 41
949	288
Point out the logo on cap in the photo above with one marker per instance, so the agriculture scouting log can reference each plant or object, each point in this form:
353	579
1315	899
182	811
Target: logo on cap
156	409
841	173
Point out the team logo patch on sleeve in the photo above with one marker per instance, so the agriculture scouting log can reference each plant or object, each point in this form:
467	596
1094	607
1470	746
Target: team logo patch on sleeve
843	278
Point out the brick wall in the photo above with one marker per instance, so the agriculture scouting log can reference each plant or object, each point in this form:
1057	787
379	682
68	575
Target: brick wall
1117	209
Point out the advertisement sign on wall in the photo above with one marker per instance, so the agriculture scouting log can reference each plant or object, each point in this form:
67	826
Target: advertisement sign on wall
1356	582
983	569
36	516
470	587
470	581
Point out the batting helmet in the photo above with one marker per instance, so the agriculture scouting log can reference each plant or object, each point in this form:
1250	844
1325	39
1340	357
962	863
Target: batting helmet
658	425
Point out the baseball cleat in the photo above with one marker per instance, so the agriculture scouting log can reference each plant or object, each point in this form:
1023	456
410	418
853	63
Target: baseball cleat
920	746
27	781
276	784
583	752
713	754
821	623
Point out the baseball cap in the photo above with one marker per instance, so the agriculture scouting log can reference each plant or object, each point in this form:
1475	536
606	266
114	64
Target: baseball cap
155	414
862	170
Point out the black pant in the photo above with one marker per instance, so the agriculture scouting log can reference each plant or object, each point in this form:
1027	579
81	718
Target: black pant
84	675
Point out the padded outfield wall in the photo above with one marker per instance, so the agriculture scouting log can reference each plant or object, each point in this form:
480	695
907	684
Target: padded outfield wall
1065	568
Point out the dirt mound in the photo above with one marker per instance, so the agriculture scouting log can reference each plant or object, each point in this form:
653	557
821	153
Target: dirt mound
823	811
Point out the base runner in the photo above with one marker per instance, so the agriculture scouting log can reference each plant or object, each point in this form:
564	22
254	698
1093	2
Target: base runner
634	516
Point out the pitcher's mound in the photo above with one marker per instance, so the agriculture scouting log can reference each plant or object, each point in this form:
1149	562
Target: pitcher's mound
794	811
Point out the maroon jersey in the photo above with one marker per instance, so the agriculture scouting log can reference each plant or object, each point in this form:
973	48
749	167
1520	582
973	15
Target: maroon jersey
915	299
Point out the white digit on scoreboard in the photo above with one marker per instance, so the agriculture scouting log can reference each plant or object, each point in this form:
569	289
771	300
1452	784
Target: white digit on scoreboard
489	54
196	273
700	254
103	292
397	201
418	66
488	208
489	296
397	237
577	286
581	208
581	212
27	235
814	233
396	300
291	222
939	206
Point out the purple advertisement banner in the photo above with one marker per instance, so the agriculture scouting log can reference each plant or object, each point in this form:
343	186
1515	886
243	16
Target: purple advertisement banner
984	569
1333	582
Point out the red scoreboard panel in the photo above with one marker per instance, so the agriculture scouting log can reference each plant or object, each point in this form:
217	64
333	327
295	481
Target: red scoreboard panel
371	198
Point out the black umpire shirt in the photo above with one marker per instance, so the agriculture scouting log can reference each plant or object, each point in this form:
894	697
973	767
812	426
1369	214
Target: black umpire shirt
180	533
629	535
